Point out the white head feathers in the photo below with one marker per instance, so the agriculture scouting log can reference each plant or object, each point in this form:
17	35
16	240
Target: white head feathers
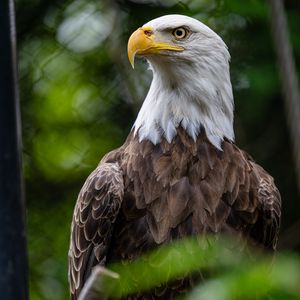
191	88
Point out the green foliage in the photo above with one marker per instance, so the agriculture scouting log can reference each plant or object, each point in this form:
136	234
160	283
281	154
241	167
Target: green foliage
48	238
231	270
79	99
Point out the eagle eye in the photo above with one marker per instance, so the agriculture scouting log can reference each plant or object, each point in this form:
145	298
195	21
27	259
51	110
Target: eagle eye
180	33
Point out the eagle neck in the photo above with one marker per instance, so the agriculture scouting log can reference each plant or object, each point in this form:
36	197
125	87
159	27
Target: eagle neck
192	100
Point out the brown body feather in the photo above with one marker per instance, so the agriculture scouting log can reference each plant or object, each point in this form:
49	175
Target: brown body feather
143	195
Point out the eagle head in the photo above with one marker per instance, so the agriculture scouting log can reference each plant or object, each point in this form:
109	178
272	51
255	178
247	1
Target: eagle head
191	84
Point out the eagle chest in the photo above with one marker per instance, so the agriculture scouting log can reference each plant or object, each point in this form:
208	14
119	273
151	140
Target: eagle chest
172	191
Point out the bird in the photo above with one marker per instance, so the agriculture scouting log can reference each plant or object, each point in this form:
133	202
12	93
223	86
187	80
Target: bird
179	173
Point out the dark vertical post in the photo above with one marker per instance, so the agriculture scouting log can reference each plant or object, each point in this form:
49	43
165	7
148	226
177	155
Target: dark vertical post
13	254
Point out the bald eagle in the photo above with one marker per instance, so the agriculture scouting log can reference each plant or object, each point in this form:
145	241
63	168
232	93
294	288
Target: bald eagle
179	172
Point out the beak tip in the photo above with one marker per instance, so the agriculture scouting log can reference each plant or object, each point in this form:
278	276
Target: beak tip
132	63
131	58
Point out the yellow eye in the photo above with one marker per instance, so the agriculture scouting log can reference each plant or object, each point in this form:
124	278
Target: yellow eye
180	33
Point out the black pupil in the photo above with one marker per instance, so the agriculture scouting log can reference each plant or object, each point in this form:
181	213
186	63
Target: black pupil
180	32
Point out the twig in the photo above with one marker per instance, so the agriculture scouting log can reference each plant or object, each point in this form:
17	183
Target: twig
94	288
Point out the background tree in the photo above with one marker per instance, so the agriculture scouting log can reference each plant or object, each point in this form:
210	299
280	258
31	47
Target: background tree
80	97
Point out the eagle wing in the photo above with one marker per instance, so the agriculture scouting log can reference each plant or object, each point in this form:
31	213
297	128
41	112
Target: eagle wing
256	208
265	230
97	207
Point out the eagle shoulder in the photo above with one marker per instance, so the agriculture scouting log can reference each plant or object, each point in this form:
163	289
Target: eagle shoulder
96	209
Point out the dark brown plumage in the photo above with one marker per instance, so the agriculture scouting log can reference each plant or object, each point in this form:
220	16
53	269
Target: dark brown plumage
143	195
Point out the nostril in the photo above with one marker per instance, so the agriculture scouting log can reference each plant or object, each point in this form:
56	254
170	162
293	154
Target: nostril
148	32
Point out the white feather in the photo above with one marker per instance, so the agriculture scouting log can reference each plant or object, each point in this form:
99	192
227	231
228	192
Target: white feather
190	88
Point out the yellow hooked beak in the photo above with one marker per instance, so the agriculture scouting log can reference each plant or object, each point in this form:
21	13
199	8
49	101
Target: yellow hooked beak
142	42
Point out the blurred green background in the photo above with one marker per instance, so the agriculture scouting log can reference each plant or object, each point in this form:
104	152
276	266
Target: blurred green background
79	99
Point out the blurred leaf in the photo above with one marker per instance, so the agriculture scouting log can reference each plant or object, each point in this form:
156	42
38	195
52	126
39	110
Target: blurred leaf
237	274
